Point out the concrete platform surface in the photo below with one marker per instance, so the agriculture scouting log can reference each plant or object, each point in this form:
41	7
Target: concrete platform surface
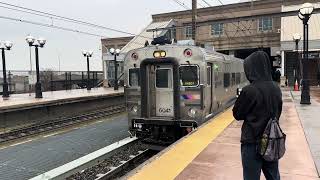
213	151
16	101
310	120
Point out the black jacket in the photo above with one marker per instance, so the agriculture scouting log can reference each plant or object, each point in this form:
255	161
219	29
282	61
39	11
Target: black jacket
258	101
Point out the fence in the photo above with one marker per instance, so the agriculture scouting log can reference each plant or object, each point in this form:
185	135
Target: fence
23	81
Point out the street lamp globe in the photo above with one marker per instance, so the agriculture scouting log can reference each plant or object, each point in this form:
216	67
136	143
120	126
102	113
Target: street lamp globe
296	37
30	40
112	50
306	9
117	51
90	53
84	53
8	45
42	41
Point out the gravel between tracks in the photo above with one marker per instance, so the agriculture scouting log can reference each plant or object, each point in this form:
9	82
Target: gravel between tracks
106	165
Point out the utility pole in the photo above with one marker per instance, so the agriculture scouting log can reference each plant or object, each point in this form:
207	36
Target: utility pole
194	14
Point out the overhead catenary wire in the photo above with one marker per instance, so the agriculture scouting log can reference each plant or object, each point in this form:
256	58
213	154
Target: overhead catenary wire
181	4
200	4
234	15
62	18
206	2
55	27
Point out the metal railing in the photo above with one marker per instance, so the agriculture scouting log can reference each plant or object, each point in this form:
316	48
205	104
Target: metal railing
23	81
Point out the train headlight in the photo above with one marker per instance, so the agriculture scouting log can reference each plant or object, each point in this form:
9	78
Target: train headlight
134	109
192	112
159	54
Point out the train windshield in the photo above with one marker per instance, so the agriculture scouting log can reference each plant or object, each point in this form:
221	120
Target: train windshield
189	75
134	77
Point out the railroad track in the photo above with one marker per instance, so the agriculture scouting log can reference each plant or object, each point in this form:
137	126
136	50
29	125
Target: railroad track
117	165
58	123
110	162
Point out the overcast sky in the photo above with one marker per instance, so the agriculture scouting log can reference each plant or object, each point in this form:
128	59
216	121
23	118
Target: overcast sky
127	15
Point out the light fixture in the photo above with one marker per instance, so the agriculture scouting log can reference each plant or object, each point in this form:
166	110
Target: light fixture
41	41
112	50
296	36
306	9
30	40
84	53
117	51
7	45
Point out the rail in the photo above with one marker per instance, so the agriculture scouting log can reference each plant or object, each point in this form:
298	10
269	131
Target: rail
58	124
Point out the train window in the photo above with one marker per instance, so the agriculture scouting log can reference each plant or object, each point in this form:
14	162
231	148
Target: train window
134	77
209	74
238	77
163	78
189	75
233	79
218	79
226	79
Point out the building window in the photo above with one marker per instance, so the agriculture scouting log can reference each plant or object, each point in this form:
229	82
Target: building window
217	29
188	32
265	24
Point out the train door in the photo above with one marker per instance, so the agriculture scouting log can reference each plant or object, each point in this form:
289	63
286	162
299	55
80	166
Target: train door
209	90
164	94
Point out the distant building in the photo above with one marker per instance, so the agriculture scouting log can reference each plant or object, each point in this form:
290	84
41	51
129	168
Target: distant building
234	29
107	63
291	25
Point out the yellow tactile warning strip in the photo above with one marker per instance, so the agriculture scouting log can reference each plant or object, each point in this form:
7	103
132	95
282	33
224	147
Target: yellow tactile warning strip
172	162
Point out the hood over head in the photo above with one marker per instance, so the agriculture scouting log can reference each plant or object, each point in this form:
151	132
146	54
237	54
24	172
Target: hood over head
257	67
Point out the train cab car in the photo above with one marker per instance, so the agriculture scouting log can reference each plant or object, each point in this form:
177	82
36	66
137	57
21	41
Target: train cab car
172	89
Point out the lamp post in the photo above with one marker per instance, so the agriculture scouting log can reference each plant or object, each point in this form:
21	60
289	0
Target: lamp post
88	54
40	42
304	15
296	38
7	45
116	53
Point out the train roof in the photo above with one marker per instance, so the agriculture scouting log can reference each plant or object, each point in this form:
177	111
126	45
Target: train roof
206	52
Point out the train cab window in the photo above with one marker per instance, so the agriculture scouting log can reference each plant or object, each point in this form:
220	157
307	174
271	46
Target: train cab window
209	75
163	78
134	77
226	79
189	75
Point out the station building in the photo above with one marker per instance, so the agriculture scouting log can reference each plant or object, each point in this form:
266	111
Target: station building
234	29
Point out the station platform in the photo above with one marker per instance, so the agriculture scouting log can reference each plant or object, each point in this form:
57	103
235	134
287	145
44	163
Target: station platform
24	101
21	110
213	151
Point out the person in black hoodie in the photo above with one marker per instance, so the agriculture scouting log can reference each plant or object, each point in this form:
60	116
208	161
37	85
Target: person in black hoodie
257	102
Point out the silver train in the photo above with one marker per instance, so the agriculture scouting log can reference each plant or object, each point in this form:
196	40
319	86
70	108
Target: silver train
172	89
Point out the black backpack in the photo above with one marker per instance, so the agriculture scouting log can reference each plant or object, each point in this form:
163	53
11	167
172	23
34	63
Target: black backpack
271	144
